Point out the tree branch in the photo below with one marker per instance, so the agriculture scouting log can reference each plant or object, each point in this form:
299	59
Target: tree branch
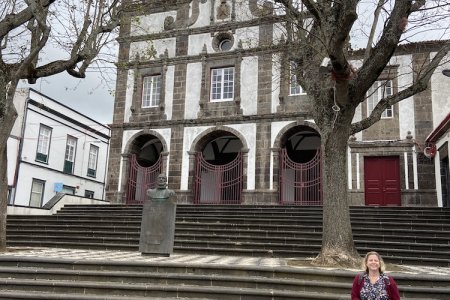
384	49
420	85
372	30
12	21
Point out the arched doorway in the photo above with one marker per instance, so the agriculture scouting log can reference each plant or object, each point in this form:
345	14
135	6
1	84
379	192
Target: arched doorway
218	175
300	176
145	164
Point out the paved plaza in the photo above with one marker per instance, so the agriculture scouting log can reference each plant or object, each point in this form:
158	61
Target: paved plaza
133	256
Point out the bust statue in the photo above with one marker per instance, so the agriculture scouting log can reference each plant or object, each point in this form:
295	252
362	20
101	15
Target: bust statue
161	192
158	220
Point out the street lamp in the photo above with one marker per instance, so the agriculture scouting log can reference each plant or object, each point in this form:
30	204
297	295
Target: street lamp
446	72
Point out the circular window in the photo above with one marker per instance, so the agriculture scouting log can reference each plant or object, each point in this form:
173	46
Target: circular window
225	45
223	41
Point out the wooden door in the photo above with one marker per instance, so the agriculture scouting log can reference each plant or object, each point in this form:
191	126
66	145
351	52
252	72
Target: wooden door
382	180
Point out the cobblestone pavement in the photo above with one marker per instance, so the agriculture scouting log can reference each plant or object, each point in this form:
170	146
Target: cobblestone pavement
114	255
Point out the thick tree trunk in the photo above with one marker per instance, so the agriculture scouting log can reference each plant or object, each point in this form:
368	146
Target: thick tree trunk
338	247
8	115
6	124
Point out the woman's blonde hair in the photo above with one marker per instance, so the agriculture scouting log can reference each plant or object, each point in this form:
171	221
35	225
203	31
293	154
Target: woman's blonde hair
382	267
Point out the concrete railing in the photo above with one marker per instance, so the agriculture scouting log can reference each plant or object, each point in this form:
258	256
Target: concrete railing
51	209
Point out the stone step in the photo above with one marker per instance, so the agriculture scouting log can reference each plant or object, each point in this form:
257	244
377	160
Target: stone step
217	228
260	207
77	277
112	221
259	211
237	238
18	294
248	235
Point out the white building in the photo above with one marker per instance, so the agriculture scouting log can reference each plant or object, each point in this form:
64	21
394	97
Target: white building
52	148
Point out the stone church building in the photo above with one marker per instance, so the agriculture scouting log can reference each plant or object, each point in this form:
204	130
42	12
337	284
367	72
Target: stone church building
202	97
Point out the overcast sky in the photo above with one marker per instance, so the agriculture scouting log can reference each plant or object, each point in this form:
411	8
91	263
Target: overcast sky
89	96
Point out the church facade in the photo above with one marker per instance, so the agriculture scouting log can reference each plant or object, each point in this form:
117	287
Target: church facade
204	96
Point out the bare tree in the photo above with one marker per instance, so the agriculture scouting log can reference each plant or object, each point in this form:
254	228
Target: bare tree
323	30
30	30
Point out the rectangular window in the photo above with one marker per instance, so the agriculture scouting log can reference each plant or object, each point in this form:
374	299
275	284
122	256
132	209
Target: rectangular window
71	146
151	91
378	91
92	162
222	84
69	190
37	192
89	194
294	87
43	145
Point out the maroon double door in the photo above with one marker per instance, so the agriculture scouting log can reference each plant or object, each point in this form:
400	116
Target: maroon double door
382	180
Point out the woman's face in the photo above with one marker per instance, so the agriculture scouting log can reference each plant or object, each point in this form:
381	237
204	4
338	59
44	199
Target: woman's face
373	263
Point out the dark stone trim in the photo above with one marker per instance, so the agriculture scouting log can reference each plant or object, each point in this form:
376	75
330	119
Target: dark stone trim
65	117
212	121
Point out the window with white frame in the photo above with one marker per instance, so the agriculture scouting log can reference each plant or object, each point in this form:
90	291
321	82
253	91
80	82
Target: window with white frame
222	84
294	87
378	91
92	162
43	145
69	162
37	192
151	90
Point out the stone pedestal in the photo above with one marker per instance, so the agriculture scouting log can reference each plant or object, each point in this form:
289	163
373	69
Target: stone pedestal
158	227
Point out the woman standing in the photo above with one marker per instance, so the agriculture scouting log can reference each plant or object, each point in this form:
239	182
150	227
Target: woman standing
374	284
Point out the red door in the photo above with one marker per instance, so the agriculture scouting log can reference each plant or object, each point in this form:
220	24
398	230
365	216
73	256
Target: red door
382	180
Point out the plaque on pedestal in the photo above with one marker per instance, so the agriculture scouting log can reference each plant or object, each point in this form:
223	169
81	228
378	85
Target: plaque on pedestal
158	221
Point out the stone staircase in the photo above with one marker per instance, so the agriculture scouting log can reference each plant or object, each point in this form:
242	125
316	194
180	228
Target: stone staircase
412	236
402	235
49	278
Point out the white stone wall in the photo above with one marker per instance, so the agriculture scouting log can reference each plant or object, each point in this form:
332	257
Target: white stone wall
129	96
198	41
193	89
405	107
204	16
151	50
249	85
149	24
13	145
249	37
242	11
276	80
440	92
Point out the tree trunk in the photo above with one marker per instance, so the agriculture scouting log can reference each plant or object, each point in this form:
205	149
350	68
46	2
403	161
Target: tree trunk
6	124
8	115
338	248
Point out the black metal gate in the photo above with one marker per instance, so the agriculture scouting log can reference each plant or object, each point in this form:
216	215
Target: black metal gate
300	183
140	179
218	184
